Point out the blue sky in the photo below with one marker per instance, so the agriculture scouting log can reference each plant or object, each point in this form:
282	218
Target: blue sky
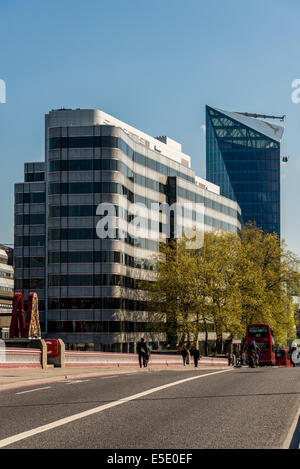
153	64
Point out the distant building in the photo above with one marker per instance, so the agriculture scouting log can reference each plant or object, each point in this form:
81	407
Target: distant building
88	288
6	288
243	158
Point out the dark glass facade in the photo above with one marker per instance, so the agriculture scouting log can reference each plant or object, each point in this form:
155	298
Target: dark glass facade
245	163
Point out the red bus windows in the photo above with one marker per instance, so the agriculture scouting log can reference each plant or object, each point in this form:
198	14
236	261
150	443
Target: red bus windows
258	331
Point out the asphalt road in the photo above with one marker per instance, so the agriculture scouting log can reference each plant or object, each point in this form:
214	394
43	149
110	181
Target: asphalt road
240	408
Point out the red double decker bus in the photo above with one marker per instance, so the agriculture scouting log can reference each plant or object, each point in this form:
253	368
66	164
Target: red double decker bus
262	334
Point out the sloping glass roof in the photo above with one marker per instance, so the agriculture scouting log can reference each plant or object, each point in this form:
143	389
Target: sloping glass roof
272	131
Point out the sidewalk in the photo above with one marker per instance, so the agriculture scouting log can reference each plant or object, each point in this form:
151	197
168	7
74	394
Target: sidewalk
13	378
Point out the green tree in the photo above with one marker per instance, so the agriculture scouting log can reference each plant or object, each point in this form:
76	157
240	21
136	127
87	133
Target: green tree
269	277
232	280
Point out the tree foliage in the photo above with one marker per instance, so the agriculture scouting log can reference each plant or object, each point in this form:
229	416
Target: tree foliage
230	281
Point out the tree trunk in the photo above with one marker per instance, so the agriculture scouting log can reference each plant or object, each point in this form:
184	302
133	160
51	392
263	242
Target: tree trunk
206	344
219	343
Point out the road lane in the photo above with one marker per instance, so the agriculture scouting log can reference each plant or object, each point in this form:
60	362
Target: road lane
75	417
241	409
62	400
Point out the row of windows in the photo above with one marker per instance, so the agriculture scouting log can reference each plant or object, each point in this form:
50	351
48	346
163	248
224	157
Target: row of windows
91	188
259	208
254	176
6	274
255	186
100	256
34	177
81	280
90	233
109	165
197	198
240	144
249	176
31	219
97	303
96	326
29	283
249	165
90	210
5	306
29	262
260	219
116	188
88	280
82	233
57	211
30	197
6	289
115	142
30	241
246	197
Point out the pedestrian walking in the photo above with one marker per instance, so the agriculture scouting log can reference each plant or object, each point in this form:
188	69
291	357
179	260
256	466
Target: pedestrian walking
147	356
142	350
185	354
234	359
229	359
196	356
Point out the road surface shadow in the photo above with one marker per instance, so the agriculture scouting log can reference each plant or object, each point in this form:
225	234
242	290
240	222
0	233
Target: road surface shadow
183	398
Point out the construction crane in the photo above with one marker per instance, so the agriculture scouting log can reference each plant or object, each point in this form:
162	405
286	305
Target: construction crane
263	116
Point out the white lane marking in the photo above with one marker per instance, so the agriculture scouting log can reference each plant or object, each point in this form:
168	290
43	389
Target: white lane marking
58	423
107	377
32	390
74	381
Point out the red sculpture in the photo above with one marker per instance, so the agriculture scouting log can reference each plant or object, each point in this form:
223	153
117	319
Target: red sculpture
17	325
32	328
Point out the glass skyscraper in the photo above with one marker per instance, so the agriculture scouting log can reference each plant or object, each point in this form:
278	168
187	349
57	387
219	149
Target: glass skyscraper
243	158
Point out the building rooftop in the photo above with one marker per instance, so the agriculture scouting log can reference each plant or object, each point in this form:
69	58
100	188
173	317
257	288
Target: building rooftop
275	132
84	117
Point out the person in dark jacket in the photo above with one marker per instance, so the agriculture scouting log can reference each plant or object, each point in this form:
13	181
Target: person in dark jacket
196	355
143	352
